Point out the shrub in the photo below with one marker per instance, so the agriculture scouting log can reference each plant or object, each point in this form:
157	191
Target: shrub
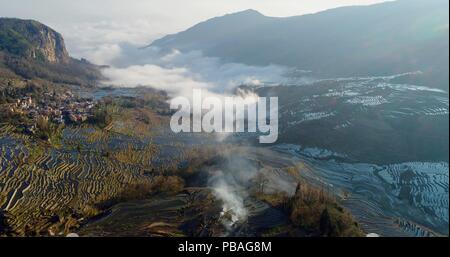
101	116
168	184
319	214
5	229
143	189
48	131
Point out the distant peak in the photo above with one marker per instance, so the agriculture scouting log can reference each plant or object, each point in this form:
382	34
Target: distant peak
248	12
251	11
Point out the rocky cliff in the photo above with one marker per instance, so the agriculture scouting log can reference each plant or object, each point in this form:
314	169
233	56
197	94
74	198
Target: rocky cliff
31	39
32	50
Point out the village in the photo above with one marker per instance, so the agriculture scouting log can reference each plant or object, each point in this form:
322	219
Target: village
60	108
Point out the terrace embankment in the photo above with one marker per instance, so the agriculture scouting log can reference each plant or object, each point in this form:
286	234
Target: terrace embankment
48	189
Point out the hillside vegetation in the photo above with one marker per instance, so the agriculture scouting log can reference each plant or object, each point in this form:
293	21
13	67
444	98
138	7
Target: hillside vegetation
31	50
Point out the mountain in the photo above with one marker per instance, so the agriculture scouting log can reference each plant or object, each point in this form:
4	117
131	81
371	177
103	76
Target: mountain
31	39
32	50
376	40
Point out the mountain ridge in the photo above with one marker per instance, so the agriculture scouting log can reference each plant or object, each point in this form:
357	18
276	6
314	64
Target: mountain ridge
376	40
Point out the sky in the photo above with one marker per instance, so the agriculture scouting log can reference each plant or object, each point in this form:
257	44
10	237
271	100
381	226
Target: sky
94	29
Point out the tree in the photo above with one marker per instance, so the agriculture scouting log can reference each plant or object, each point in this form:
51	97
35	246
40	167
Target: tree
5	229
325	222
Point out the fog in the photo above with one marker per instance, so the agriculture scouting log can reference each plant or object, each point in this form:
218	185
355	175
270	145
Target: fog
178	73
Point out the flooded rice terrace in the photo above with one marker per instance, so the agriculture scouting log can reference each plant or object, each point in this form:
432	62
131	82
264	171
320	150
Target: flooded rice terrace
405	199
396	199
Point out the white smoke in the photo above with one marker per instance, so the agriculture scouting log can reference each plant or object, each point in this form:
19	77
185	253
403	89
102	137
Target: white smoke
230	183
233	209
178	74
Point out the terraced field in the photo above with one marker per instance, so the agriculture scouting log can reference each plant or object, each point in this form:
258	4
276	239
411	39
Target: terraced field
372	120
159	216
37	180
201	210
405	199
94	167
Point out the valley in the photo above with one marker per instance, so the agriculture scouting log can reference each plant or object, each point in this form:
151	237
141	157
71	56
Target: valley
361	145
118	180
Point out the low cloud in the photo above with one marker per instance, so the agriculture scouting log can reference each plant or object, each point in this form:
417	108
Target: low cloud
178	73
101	54
92	40
176	81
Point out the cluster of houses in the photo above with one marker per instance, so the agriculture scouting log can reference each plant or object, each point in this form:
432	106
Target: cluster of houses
60	108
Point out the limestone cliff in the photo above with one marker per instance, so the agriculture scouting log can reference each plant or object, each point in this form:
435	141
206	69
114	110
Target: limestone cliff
31	39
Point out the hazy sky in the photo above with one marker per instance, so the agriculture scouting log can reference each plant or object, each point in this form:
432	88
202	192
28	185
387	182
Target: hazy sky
84	22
